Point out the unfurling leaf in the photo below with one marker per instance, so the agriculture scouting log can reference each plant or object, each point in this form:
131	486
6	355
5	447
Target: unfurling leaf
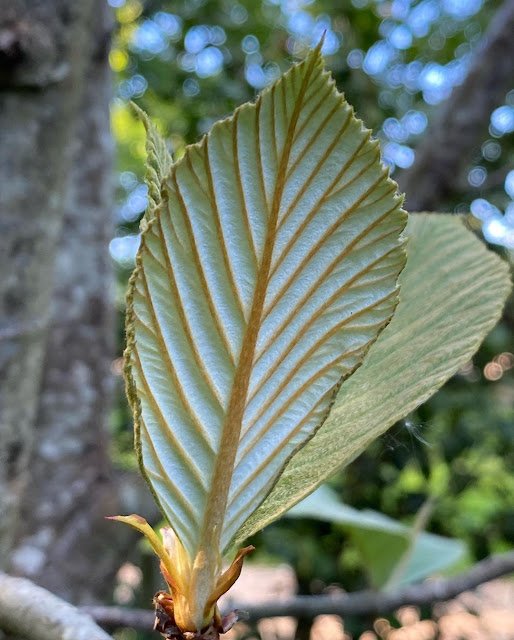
158	163
266	270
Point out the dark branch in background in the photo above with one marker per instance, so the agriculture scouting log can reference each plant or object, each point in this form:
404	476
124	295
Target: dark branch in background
29	611
450	141
360	603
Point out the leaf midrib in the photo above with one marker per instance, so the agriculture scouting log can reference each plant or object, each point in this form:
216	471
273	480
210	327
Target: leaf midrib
217	498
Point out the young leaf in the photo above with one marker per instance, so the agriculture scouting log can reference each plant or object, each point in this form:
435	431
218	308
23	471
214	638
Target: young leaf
158	162
452	293
268	270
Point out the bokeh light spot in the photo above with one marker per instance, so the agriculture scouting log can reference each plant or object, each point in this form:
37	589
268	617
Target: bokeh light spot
399	155
118	60
169	23
196	38
129	11
378	57
209	62
483	210
355	58
502	120
238	13
509	184
415	122
123	249
255	76
461	9
477	176
191	87
491	150
250	44
493	371
401	37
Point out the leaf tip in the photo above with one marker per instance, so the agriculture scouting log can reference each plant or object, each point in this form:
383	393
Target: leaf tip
316	52
133	519
138	112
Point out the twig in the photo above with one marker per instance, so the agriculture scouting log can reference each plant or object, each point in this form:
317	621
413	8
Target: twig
449	143
360	603
29	611
26	609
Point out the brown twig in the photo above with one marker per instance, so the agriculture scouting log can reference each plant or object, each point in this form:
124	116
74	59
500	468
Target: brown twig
360	603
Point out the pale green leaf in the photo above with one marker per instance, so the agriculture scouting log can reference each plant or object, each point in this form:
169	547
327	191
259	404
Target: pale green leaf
269	269
385	545
158	162
452	292
430	554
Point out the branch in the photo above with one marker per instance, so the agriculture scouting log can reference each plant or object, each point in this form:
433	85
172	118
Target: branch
25	607
360	603
449	143
29	611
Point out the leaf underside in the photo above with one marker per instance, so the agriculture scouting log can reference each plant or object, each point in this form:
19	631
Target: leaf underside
452	292
263	277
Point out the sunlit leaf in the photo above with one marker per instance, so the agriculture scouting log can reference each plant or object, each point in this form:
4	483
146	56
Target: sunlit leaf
267	272
452	292
385	545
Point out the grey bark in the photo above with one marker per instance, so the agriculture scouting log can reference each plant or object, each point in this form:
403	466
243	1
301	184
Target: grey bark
462	123
71	485
58	333
43	47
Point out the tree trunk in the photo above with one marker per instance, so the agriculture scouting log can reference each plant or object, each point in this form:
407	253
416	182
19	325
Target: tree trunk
56	317
71	486
447	148
43	48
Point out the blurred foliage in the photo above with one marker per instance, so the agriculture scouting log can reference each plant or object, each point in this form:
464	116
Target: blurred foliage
412	553
189	63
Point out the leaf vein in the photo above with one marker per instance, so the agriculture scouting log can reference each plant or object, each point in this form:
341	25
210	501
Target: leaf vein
323	238
170	366
199	268
235	149
163	476
318	374
204	372
151	399
220	234
315	109
335	329
280	447
347	285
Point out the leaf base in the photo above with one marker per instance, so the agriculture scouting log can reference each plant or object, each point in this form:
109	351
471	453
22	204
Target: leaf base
165	622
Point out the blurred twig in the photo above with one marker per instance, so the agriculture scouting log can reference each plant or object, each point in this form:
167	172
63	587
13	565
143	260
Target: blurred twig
26	609
449	143
29	611
360	603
